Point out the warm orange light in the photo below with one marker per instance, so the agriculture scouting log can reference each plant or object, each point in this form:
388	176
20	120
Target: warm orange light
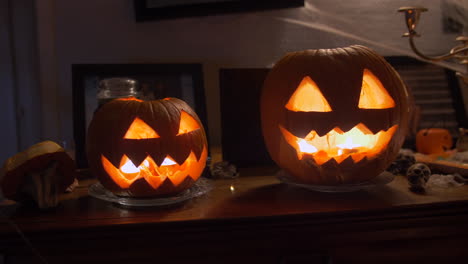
130	99
140	130
127	173
308	98
187	123
373	93
359	142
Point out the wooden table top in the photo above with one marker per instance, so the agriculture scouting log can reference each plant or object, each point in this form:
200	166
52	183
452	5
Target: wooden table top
256	194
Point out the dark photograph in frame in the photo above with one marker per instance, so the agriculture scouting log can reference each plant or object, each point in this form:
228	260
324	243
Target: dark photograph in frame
238	142
154	81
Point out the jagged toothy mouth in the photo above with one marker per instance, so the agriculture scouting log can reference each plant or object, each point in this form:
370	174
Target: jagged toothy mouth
357	143
155	175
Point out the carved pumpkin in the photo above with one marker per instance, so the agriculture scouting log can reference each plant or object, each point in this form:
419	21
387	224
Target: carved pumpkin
333	116
433	141
146	148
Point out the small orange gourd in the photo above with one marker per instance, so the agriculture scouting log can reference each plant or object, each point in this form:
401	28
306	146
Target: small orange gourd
433	141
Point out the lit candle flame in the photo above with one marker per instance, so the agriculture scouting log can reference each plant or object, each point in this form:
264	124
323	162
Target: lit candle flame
348	144
128	167
168	162
357	143
306	147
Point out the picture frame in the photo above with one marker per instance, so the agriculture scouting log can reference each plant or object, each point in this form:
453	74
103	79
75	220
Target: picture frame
184	81
147	10
237	141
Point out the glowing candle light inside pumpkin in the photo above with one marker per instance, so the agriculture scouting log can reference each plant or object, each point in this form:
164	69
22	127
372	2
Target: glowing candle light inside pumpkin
348	145
306	147
168	162
357	143
128	167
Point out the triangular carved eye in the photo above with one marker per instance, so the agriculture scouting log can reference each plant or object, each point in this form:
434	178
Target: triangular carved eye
373	93
308	98
140	130
187	123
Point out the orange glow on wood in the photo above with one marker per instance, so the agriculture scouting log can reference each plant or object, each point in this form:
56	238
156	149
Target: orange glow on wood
308	98
359	142
127	173
373	93
140	130
187	123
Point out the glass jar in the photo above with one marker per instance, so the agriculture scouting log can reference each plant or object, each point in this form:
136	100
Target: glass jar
112	88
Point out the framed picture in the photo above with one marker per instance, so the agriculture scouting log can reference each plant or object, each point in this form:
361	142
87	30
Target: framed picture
238	142
146	10
154	81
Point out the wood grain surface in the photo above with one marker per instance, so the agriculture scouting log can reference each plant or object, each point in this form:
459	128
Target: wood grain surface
254	218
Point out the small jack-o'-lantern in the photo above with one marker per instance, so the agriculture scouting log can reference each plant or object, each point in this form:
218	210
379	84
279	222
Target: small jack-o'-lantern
433	141
146	148
333	116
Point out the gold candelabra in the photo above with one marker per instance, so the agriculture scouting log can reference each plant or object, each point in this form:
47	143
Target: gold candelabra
459	53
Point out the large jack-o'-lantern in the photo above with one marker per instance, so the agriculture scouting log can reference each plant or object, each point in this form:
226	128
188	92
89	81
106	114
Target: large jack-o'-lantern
146	148
333	116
